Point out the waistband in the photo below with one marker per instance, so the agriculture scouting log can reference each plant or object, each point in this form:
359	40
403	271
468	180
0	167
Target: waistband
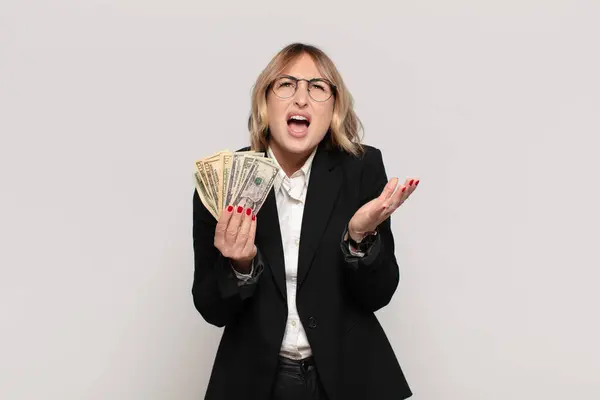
303	365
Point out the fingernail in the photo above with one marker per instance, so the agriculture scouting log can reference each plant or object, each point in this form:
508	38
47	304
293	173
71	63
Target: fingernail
416	183
229	208
404	188
253	217
239	209
411	181
248	211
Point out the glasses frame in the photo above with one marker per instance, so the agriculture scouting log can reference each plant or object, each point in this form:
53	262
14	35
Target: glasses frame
308	84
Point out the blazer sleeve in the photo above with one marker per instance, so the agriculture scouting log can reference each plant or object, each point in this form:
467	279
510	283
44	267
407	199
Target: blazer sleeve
218	294
372	278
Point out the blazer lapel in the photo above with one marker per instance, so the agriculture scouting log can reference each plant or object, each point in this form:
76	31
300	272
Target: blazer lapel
268	234
323	187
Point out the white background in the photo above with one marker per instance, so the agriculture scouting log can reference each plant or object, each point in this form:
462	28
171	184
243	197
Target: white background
494	105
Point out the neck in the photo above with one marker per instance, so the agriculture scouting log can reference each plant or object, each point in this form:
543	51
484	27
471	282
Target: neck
290	162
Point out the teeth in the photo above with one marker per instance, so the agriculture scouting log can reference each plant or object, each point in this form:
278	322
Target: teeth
299	118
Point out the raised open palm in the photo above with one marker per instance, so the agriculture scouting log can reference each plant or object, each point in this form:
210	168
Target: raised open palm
373	213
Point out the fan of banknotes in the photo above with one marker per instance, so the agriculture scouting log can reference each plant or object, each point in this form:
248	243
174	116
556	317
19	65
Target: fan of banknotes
241	178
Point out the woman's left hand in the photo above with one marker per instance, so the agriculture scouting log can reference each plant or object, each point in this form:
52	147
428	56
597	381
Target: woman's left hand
370	215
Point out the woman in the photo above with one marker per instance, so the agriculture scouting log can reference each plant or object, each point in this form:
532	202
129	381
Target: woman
296	287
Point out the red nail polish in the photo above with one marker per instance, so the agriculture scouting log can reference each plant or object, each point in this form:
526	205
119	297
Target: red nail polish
404	188
248	211
253	217
416	183
239	209
229	208
411	181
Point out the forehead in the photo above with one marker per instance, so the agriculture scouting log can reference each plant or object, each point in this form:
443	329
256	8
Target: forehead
303	66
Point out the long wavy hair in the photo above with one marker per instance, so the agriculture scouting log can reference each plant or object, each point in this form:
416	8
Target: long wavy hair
345	124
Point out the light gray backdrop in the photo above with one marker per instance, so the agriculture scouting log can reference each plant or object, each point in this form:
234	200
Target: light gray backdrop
104	106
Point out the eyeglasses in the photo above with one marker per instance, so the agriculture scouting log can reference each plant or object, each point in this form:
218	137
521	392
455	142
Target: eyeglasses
319	89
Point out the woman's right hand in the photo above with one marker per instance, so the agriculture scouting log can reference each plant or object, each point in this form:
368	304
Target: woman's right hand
234	237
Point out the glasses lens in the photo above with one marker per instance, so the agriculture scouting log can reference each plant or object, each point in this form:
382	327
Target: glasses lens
284	87
320	90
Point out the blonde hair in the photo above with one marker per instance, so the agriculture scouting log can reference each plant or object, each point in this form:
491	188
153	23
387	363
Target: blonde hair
345	124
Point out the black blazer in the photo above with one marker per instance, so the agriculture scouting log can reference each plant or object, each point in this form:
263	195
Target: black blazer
337	293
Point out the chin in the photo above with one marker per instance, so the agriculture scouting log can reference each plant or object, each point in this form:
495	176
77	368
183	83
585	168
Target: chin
297	146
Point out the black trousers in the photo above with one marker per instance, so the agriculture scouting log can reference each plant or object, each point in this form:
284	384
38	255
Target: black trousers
297	380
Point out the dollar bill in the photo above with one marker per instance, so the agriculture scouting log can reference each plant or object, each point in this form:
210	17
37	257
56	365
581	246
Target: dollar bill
230	186
212	166
256	185
234	178
203	194
246	163
202	174
225	161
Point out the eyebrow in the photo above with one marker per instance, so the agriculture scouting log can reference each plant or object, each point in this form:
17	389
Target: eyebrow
295	77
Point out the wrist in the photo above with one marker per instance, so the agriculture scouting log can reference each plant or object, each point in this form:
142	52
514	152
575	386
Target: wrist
242	266
355	236
358	236
359	242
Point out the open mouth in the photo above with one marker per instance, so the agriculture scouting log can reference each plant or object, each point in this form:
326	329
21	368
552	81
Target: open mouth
298	123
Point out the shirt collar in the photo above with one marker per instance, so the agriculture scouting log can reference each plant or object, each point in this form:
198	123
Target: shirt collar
305	169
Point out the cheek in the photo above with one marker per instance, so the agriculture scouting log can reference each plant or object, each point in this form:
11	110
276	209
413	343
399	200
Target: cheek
275	111
325	116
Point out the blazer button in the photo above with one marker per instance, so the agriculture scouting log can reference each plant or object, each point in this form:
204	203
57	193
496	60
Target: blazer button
312	323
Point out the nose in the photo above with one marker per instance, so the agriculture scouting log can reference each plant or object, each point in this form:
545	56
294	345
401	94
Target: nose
301	96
